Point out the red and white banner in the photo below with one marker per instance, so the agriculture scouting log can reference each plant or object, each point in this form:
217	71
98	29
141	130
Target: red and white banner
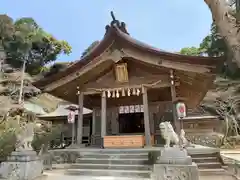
71	117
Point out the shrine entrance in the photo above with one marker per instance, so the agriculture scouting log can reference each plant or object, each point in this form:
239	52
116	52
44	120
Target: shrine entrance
131	123
131	119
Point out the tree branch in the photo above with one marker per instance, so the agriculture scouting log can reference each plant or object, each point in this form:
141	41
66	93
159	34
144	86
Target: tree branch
227	26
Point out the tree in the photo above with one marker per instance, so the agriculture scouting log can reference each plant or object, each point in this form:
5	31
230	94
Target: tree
55	68
225	15
190	51
90	47
24	40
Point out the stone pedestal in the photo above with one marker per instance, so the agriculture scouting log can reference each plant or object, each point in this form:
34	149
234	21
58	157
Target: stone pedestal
174	163
22	165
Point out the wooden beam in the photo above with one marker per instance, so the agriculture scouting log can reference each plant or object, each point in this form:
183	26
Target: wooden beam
166	63
106	56
92	91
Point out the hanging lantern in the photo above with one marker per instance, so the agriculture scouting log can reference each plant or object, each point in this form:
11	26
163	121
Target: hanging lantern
181	110
134	91
103	94
123	92
138	92
113	94
108	94
129	92
117	94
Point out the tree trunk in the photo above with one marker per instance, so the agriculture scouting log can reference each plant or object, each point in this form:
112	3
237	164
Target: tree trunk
227	26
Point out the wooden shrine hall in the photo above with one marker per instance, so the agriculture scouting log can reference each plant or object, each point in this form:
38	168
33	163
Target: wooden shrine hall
131	87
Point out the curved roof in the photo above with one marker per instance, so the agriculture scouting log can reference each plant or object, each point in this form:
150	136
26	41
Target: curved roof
115	32
63	111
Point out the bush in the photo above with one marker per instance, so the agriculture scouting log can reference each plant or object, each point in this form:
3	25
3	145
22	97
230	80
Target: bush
45	136
7	143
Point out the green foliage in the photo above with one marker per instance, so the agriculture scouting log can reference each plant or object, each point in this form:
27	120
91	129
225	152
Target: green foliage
45	136
55	68
25	40
86	51
190	51
7	143
214	44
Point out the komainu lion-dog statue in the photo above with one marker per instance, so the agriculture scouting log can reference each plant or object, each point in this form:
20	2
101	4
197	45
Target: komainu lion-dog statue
25	137
170	135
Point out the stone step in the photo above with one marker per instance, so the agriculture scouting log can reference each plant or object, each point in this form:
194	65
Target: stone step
111	166
210	165
219	171
204	159
116	156
116	151
107	172
215	154
112	161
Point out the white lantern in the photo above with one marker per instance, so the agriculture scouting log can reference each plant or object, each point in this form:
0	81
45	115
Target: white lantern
181	110
71	117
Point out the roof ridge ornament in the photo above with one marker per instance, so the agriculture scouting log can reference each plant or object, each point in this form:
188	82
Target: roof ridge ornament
116	24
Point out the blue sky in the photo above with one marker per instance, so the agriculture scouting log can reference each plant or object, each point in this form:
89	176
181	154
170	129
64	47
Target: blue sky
166	24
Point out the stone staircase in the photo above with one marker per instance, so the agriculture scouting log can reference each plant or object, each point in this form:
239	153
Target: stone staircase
118	163
135	164
209	163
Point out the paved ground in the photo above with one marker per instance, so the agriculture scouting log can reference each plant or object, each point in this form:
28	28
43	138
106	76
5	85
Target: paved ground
53	175
217	178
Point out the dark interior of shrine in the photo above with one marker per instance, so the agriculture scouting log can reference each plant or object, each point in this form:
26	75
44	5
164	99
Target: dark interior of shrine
131	123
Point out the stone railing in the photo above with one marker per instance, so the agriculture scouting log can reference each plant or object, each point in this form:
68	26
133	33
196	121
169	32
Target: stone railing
205	139
233	166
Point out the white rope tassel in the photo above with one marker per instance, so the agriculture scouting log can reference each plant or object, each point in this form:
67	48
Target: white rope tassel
108	94
129	92
113	94
134	91
138	92
117	94
123	92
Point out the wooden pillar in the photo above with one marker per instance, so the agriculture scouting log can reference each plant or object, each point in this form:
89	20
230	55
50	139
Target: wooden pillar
103	115
173	95
93	121
114	121
80	118
146	117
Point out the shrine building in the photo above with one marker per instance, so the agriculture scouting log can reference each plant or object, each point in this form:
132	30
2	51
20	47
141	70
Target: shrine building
131	87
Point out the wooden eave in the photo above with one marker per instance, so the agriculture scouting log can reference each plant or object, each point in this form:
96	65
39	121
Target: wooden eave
115	34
